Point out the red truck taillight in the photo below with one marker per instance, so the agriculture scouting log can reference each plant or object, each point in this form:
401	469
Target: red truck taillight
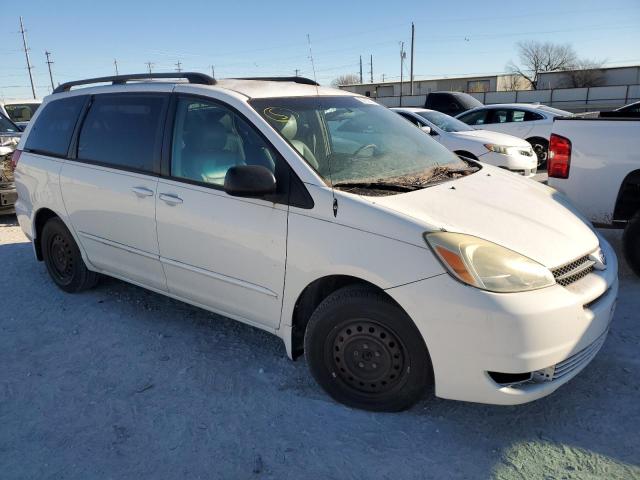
559	156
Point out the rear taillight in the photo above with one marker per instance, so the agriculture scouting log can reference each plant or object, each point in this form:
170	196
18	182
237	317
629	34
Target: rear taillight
15	157
559	156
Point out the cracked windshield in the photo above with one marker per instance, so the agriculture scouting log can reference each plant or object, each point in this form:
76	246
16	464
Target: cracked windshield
360	146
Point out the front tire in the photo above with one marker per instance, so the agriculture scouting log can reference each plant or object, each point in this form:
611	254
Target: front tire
63	259
631	243
365	351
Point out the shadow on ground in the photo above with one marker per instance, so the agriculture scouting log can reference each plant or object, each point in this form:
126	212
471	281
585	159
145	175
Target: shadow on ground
120	382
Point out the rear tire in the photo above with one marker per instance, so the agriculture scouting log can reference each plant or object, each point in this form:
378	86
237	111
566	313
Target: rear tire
365	351
63	259
631	243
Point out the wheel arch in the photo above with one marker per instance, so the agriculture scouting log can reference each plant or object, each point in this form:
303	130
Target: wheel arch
39	219
312	295
628	200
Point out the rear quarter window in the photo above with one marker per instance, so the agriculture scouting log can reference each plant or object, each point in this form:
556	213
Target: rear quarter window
123	131
52	130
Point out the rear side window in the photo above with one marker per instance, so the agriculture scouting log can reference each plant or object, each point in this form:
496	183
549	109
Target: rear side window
123	131
54	127
478	117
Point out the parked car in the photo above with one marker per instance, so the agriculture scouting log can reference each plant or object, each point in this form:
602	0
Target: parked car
494	148
451	103
596	164
393	267
530	121
9	138
631	110
20	111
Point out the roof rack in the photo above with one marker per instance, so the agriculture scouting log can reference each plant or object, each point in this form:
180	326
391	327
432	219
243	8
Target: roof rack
193	77
302	80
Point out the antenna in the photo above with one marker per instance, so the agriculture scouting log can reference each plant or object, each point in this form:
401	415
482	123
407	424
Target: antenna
313	67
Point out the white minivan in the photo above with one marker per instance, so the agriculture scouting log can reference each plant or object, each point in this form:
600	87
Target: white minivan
318	215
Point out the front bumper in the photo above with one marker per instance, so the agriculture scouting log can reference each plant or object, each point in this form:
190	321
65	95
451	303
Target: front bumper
470	332
522	164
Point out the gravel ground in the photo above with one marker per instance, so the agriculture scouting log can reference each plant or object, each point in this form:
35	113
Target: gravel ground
119	382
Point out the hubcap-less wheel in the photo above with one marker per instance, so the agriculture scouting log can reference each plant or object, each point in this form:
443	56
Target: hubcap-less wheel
541	152
368	357
61	258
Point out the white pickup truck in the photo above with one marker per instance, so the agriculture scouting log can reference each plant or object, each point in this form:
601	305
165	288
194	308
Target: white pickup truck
595	162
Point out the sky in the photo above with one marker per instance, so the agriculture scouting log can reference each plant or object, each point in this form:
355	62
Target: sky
264	38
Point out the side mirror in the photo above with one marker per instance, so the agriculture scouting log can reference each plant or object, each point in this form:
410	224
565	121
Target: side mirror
426	129
249	181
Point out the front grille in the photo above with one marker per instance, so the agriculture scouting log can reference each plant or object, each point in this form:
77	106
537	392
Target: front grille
574	271
580	359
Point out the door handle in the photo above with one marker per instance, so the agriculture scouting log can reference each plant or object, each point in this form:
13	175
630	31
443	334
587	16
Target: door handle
170	199
142	191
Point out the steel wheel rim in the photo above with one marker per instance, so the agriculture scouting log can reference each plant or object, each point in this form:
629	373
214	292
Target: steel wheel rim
541	153
368	357
61	259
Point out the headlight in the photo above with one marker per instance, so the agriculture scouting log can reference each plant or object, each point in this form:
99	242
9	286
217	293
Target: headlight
488	266
503	149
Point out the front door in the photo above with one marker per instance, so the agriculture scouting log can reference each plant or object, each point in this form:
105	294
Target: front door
222	252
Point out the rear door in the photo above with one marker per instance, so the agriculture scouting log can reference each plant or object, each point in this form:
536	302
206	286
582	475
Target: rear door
222	252
509	120
109	186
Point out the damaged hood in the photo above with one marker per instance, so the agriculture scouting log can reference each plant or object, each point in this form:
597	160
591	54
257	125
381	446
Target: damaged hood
520	214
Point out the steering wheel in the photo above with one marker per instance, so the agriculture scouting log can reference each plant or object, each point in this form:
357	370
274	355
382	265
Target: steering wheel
364	147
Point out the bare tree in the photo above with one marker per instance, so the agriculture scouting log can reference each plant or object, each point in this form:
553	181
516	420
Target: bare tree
346	79
536	57
585	73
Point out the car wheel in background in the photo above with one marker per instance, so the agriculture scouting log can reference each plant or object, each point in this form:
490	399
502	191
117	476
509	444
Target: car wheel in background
63	259
631	243
541	149
366	352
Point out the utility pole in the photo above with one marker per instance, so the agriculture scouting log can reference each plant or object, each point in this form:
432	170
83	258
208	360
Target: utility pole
26	54
115	64
383	78
403	55
371	68
178	66
413	34
149	65
297	72
213	72
360	68
49	62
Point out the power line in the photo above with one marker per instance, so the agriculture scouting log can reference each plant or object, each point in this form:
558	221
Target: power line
49	63
26	54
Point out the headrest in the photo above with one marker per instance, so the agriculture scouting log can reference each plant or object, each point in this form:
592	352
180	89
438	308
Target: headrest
290	128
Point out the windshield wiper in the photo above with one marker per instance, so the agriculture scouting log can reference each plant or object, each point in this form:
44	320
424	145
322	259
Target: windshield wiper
392	186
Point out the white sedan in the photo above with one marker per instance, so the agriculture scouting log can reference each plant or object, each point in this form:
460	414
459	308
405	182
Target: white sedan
494	148
531	121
